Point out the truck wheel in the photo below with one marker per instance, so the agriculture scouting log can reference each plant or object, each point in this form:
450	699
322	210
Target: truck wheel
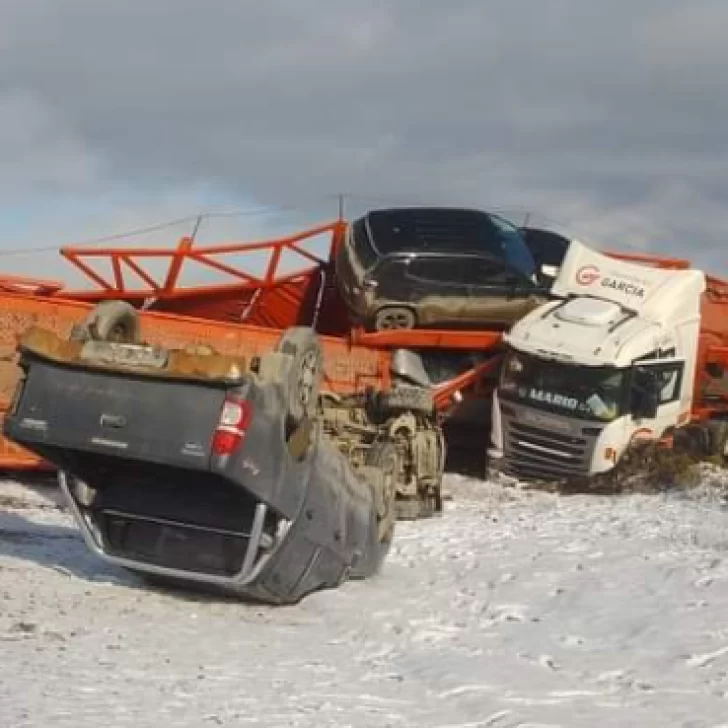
407	398
304	385
394	317
384	457
718	438
115	321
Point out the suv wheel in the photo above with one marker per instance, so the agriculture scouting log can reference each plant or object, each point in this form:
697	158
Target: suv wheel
394	317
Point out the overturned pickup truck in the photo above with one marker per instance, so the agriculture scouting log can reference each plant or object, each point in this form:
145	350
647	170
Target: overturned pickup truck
195	467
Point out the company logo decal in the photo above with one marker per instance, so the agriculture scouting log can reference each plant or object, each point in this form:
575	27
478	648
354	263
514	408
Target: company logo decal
587	274
630	289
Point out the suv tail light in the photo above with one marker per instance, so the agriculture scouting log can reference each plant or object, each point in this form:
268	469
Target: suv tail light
235	417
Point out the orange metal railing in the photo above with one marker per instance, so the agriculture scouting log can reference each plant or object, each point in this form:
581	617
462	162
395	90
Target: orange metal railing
123	260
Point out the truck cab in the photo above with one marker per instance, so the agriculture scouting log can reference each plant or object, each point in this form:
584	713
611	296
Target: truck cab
610	362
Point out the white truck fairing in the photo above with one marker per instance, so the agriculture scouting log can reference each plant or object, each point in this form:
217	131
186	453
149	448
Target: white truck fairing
573	391
611	312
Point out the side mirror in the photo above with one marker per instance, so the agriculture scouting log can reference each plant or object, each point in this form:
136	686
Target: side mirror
645	395
369	284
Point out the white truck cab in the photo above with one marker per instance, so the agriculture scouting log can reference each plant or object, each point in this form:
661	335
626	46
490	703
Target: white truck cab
611	360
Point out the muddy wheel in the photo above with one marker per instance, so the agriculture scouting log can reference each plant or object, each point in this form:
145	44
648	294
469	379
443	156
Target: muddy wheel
304	385
115	321
394	317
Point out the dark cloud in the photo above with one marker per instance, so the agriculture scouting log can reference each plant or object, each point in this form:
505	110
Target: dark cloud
608	117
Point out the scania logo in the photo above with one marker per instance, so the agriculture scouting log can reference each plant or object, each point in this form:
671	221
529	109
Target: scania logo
587	274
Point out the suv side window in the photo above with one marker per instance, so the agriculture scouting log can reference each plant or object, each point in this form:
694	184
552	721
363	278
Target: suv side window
484	272
490	273
436	270
389	271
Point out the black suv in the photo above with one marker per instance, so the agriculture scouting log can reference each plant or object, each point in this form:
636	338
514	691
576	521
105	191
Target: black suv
417	267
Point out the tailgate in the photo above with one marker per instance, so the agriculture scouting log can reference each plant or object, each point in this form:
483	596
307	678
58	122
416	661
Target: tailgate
143	418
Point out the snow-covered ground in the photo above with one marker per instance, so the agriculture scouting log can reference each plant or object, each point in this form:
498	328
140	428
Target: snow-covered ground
516	608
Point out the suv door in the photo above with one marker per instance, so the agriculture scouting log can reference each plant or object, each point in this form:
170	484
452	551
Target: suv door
434	285
497	294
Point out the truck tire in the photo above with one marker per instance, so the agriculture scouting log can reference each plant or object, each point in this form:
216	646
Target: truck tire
115	321
304	385
718	438
394	317
405	398
384	457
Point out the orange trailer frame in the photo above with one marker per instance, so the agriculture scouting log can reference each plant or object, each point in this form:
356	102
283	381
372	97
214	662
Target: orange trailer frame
246	314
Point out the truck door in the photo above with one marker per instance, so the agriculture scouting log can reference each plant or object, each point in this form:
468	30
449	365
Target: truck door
656	399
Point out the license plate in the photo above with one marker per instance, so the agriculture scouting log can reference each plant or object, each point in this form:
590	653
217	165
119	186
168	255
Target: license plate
133	355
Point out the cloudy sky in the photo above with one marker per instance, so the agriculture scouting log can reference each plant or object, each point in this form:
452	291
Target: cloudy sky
607	119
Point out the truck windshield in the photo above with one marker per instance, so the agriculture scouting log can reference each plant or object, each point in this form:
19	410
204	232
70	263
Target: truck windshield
591	393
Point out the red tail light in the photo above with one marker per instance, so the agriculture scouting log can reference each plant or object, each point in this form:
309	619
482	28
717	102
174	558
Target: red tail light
235	418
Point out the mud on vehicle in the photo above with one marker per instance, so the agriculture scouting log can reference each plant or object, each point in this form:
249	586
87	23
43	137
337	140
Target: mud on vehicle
357	423
404	415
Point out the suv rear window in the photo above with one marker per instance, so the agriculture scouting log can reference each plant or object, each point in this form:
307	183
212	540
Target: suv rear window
363	249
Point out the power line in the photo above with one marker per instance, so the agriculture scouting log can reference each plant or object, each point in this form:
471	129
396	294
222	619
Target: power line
157	227
338	199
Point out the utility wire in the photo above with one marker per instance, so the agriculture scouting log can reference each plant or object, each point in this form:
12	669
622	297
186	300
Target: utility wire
338	198
157	227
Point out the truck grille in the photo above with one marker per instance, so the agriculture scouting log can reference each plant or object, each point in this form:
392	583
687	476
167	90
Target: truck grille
539	453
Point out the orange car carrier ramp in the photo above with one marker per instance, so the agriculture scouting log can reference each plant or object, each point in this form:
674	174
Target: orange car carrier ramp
293	286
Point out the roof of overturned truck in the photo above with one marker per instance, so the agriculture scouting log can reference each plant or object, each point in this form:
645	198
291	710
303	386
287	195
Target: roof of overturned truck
607	309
